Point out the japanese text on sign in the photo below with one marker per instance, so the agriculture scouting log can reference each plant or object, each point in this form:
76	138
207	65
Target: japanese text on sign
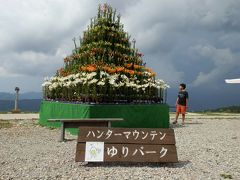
135	134
125	151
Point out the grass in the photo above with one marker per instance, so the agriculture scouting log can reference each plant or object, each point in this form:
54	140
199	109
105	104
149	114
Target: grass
213	113
226	176
228	109
49	127
5	124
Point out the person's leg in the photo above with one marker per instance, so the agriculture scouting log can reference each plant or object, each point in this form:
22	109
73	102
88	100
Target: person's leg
183	114
183	118
177	114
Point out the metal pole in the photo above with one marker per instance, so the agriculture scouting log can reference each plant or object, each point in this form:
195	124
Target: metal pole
15	106
16	98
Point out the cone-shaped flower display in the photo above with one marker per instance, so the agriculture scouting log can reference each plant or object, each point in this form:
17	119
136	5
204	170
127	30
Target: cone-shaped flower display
105	67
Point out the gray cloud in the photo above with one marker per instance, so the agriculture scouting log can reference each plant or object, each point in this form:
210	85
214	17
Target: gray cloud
172	29
223	59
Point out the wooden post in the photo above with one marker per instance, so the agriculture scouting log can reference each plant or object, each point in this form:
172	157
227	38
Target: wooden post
62	135
109	123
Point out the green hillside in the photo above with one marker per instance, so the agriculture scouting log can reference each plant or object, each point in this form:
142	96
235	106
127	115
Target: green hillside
229	109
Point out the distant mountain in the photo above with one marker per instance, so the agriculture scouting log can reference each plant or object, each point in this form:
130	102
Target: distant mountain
26	105
31	95
229	109
28	102
6	96
27	95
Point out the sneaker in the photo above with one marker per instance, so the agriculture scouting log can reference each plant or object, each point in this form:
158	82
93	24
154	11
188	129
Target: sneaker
175	122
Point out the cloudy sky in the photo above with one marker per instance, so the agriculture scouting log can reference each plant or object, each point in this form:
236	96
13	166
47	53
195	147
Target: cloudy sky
191	41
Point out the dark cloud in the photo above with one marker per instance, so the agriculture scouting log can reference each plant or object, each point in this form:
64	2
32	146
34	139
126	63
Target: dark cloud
197	39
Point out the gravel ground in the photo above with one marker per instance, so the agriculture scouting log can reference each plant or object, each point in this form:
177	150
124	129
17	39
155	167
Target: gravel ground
20	116
208	148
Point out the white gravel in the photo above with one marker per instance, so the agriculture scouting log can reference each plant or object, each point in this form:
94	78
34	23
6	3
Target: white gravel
208	148
20	116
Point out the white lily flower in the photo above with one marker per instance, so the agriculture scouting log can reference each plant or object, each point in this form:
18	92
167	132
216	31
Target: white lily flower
47	83
101	83
93	74
124	76
46	78
112	81
93	81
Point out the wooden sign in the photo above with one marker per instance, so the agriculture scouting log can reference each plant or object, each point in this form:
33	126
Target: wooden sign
99	144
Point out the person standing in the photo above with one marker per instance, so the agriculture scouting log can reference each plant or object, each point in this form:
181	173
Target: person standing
181	103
